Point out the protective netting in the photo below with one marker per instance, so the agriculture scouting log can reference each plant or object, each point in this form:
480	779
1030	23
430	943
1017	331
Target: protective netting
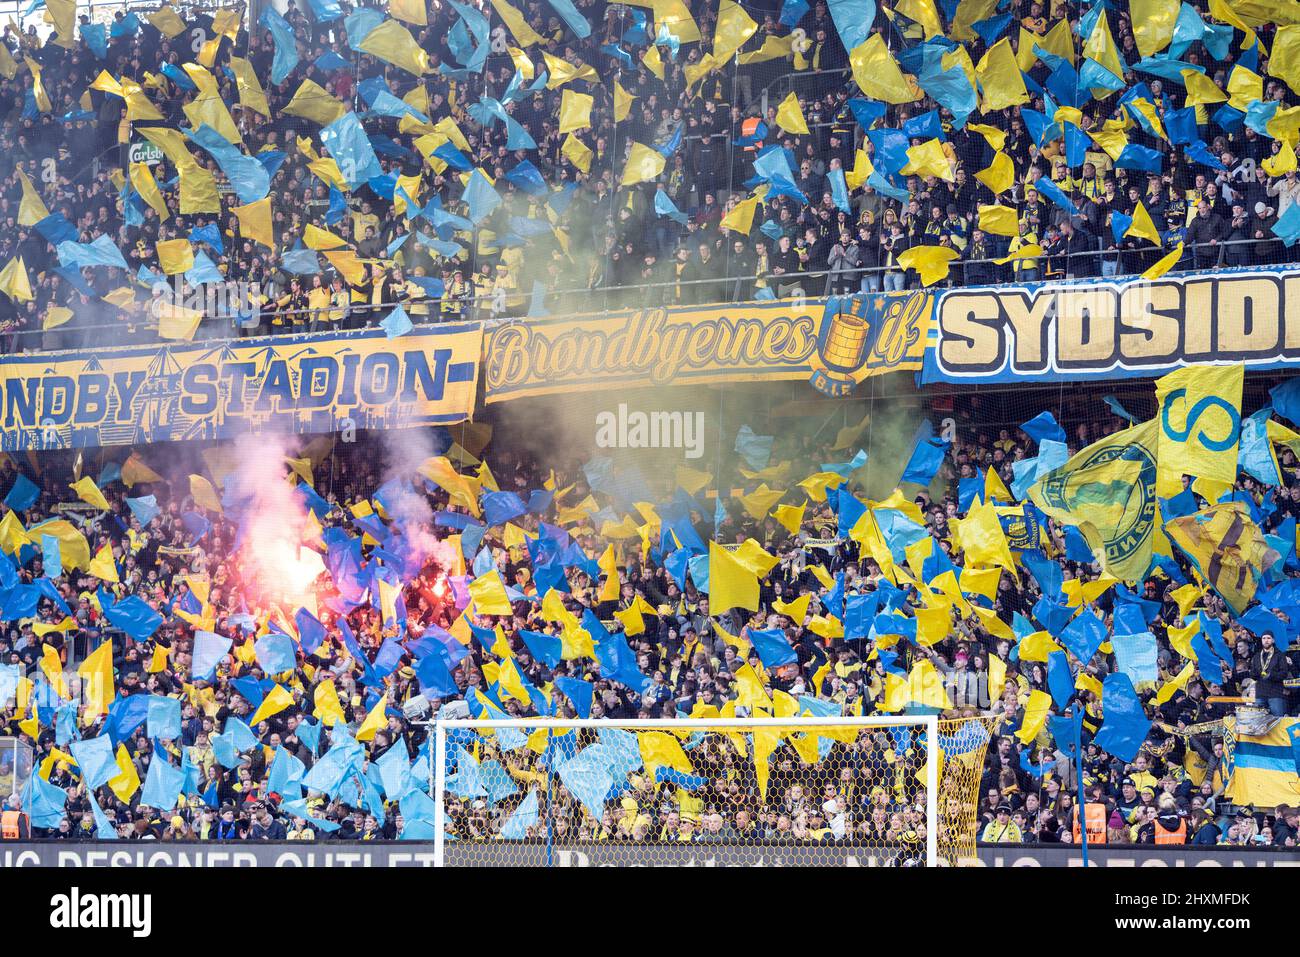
963	743
849	794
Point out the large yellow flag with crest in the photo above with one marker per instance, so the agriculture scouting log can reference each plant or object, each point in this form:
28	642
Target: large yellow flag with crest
1108	490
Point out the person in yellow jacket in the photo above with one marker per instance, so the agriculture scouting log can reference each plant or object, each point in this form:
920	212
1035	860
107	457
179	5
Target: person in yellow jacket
1002	830
318	300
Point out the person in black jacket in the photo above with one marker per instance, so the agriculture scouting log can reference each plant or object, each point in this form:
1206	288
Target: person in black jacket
1269	667
1204	235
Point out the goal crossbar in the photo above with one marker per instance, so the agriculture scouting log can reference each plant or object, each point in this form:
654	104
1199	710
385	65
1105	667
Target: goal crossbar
929	722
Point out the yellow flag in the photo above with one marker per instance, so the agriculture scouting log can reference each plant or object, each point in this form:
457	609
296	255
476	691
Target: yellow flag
932	262
377	719
167	22
731	584
622	102
999	221
562	72
1108	490
89	493
1036	708
255	222
773	48
8	65
313	102
861	172
204	495
575	111
734	27
1244	87
1281	162
995	137
276	700
1142	227
409	11
52	665
997	677
178	323
924	13
126	782
662	750
1227	548
102	565
489	594
878	73
326	700
1165	264
740	218
981	537
653	62
250	89
576	152
14	282
789	517
144	183
55	316
138	106
393	43
999	77
1100	46
1000	175
1200	421
789	116
1284	63
929	159
314	237
348	265
643	164
1201	90
610	588
208	106
175	256
796	610
1153	24
97	686
760	501
43	99
523	33
32	209
1059	40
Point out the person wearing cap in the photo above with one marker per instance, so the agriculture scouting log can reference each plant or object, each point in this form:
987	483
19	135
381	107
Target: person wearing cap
1207	831
1002	830
1129	799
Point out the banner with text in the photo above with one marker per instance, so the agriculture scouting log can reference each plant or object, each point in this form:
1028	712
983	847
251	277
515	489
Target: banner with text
1103	329
834	343
296	384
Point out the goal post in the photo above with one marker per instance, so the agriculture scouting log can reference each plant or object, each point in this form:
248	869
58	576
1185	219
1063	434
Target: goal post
819	791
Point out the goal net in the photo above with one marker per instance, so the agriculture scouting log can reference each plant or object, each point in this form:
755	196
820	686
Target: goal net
875	791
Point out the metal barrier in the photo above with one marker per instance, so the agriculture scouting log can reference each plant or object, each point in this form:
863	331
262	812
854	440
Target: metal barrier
786	287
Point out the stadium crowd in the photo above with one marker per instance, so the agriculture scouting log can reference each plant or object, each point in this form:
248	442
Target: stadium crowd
566	225
858	182
693	660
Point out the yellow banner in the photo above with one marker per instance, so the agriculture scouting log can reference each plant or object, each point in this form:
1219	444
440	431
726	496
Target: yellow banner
288	384
834	344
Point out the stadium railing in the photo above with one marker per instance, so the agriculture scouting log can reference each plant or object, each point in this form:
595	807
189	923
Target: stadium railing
787	287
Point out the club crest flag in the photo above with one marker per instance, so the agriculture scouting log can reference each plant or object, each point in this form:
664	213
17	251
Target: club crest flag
1108	491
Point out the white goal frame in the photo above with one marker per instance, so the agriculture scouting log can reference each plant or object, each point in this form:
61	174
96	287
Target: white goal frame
930	723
